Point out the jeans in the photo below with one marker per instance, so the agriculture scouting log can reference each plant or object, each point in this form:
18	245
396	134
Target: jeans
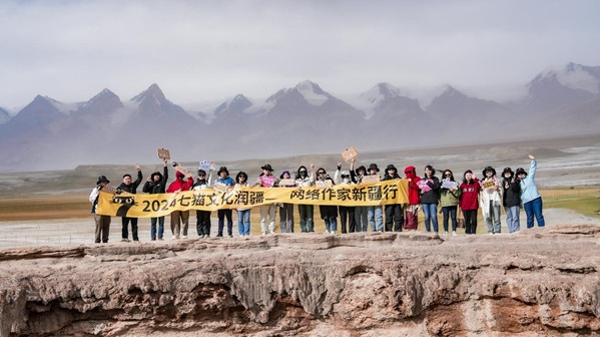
375	216
244	222
161	227
394	216
493	221
286	216
134	228
512	219
362	221
347	216
470	221
430	211
331	225
222	214
307	222
449	211
267	210
534	207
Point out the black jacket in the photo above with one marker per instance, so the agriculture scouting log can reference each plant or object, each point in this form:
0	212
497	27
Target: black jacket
131	188
512	192
389	177
432	196
154	187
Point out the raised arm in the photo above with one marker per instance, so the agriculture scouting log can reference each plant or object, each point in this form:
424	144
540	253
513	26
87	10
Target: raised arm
533	167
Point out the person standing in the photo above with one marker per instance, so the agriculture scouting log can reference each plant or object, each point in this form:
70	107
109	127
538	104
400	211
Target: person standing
530	196
511	199
180	219
130	187
202	217
360	212
374	213
157	183
491	199
430	196
469	201
266	179
449	199
286	211
343	178
243	214
102	221
394	216
411	215
225	180
306	211
328	212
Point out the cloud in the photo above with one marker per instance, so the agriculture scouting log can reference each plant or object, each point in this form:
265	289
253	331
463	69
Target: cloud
206	50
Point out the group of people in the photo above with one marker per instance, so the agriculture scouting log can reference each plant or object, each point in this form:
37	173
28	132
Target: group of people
511	190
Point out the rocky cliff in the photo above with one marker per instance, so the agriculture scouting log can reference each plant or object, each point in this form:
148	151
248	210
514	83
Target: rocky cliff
536	283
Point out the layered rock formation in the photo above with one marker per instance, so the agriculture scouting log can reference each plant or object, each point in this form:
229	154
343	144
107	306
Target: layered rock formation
536	283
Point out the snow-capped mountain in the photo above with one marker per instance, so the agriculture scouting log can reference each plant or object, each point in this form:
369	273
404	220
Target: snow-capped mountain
237	104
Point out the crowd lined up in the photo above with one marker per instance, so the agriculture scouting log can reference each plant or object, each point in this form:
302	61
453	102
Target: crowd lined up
511	190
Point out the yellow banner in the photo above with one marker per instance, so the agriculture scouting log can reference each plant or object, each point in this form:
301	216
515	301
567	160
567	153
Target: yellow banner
155	205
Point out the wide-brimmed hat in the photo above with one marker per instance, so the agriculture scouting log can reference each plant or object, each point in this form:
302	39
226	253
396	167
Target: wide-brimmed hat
360	168
373	166
391	167
489	169
221	169
507	169
520	170
101	179
267	167
284	172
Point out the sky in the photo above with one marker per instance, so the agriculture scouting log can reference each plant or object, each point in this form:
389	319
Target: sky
201	51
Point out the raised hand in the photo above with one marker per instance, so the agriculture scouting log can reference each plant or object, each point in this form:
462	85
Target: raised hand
531	157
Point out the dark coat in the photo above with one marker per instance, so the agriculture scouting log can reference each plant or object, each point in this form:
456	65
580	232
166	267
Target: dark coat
512	192
154	187
131	188
432	196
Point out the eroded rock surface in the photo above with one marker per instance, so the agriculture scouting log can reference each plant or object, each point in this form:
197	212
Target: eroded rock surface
535	283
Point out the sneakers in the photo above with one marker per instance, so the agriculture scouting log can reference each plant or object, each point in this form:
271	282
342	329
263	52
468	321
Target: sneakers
175	237
160	239
326	232
125	240
446	233
153	239
271	232
229	236
454	233
184	237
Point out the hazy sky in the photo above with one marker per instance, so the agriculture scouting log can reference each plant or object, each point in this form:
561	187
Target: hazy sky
211	50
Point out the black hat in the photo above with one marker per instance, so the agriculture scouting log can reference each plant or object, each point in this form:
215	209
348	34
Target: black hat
361	168
490	169
223	168
391	167
201	172
267	167
507	169
101	179
373	166
520	170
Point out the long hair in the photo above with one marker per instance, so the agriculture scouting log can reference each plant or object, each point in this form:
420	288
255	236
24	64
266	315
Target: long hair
430	168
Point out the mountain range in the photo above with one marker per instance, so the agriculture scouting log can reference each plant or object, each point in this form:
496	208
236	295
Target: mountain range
48	134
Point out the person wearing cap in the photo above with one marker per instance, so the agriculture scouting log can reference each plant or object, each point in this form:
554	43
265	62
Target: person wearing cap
511	199
130	187
202	216
266	179
411	210
286	211
374	213
394	216
530	196
430	196
491	199
343	178
102	221
180	219
306	211
225	180
157	183
360	212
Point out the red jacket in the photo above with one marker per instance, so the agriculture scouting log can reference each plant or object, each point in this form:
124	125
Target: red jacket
470	194
179	184
413	189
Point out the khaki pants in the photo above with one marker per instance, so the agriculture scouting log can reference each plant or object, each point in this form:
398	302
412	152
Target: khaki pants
102	227
179	218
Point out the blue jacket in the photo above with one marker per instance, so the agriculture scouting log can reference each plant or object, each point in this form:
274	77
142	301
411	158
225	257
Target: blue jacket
528	190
